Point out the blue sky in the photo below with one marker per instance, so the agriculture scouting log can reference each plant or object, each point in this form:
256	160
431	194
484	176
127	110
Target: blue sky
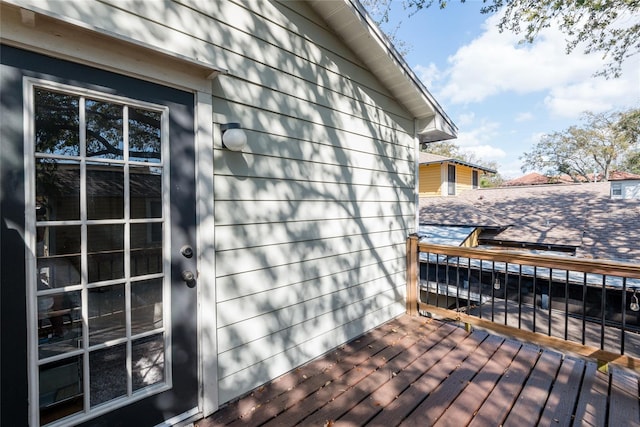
503	95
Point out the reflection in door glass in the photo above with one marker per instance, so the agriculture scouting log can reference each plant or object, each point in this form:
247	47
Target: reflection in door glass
146	305
57	123
60	385
104	130
106	314
57	190
105	191
108	370
144	135
58	256
105	246
147	361
59	323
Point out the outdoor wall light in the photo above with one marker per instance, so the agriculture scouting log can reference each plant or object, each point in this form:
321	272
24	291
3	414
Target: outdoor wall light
634	306
233	137
496	284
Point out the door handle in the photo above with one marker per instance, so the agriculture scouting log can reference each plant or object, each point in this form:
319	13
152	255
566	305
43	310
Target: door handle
189	278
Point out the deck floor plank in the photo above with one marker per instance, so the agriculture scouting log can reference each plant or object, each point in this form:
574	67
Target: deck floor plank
406	403
497	406
443	340
534	395
391	361
592	404
468	402
624	409
439	400
562	399
420	371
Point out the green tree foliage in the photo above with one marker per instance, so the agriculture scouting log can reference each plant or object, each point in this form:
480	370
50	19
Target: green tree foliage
610	27
605	141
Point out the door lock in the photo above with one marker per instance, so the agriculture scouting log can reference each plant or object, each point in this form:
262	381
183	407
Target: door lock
186	251
189	278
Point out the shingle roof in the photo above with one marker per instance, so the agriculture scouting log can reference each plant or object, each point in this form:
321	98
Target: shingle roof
579	215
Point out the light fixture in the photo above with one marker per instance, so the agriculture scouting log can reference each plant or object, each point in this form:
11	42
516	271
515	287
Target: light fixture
634	306
233	137
496	284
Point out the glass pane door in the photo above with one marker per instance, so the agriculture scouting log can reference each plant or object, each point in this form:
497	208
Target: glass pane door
100	311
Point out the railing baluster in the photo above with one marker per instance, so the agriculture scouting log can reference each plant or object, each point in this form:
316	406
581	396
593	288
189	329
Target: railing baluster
437	280
535	302
519	296
623	330
468	285
493	289
603	308
446	282
549	298
480	290
506	290
584	308
566	306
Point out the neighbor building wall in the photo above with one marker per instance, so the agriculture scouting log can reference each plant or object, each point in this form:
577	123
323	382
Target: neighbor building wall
430	180
310	219
464	178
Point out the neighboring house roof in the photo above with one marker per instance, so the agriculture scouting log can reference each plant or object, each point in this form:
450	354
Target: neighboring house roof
623	176
582	216
535	178
352	23
429	158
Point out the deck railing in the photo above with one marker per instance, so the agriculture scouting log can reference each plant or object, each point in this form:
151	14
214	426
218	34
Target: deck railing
584	306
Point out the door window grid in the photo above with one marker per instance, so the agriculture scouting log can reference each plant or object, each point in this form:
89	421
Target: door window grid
79	360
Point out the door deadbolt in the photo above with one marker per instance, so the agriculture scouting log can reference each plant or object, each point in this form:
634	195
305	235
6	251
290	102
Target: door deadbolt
186	251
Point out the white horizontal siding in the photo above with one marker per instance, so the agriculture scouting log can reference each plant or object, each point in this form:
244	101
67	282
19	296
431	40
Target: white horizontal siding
312	217
300	322
264	234
248	259
296	303
348	324
370	263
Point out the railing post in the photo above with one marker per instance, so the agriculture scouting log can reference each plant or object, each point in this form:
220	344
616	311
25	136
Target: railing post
412	275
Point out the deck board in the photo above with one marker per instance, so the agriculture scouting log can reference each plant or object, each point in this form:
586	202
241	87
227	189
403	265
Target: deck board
624	400
420	371
469	400
592	404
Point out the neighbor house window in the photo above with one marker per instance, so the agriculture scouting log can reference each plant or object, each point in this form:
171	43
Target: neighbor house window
616	189
451	178
474	178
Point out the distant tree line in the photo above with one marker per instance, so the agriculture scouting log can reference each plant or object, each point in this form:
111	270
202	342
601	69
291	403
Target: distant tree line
606	142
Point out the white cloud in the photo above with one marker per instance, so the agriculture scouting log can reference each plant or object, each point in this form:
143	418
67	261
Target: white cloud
496	63
466	119
478	141
523	117
429	74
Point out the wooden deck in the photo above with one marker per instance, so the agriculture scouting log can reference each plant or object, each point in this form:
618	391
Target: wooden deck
423	372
